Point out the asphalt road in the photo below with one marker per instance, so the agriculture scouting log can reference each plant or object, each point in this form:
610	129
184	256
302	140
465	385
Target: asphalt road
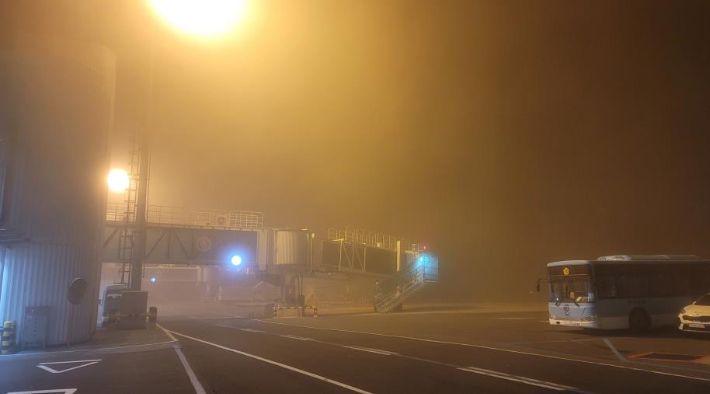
391	364
416	352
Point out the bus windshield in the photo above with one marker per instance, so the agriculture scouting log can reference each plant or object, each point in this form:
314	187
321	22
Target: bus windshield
570	284
570	288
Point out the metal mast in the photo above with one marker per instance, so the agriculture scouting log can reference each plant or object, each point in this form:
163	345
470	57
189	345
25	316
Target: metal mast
143	174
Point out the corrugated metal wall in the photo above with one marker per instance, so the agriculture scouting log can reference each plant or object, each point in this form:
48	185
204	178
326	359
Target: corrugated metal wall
58	101
39	275
292	247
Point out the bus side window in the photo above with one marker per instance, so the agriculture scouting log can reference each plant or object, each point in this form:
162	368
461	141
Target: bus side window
661	281
633	280
681	282
700	280
606	282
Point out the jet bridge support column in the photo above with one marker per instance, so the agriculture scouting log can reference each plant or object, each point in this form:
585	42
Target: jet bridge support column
400	254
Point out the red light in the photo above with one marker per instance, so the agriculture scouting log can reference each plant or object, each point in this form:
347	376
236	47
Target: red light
424	247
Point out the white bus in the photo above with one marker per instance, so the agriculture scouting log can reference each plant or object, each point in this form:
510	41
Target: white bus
621	292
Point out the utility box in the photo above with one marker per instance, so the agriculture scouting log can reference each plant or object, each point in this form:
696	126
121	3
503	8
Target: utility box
134	307
112	301
34	330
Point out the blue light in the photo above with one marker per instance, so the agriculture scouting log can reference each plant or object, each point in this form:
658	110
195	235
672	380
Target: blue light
236	260
153	279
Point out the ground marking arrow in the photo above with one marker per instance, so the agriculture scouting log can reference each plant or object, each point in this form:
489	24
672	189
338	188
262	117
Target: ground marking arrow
52	370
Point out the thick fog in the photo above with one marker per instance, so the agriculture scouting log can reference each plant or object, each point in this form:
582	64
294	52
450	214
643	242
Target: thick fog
503	137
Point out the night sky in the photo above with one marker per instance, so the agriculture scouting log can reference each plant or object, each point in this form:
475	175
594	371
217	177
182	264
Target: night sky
505	134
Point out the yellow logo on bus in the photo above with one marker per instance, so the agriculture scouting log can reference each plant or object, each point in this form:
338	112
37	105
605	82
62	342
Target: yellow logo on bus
565	271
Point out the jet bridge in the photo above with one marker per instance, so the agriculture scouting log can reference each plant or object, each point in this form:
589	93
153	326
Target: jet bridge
231	240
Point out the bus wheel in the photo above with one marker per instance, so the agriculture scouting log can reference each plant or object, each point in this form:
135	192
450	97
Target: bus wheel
639	321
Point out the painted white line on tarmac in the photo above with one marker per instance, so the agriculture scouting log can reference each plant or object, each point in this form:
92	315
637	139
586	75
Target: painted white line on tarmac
520	379
627	367
296	337
222	318
560	341
51	391
616	352
190	373
278	364
168	333
100	350
469	369
371	350
246	329
86	363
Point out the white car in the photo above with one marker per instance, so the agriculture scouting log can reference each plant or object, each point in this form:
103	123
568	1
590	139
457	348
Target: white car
696	316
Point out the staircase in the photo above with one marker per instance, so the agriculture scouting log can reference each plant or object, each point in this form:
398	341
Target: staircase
419	274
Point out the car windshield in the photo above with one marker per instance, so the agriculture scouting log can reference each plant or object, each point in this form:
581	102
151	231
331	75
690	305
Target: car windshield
704	300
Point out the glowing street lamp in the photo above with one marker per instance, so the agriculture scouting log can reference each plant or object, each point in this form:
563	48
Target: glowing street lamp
118	180
202	18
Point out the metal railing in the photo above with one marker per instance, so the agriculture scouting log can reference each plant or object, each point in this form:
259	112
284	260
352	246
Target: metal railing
424	270
178	216
364	237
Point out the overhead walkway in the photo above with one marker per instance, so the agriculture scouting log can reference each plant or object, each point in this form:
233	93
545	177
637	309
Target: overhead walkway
422	272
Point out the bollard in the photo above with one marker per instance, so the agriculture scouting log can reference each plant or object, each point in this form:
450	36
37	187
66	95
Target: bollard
153	314
8	336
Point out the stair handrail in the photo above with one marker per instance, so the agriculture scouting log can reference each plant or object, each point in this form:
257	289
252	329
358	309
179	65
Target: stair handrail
416	278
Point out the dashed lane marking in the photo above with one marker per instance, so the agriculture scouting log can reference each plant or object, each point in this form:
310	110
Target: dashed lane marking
501	375
560	341
228	317
246	329
296	337
278	364
527	353
520	379
370	350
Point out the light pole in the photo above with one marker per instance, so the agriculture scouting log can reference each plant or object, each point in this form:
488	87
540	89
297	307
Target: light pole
204	19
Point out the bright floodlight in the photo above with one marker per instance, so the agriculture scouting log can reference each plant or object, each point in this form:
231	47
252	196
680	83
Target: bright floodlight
118	180
201	17
153	279
236	260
